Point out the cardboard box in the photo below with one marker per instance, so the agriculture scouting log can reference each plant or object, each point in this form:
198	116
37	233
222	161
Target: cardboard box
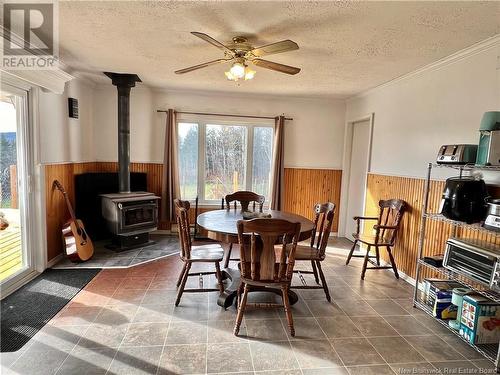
437	295
480	322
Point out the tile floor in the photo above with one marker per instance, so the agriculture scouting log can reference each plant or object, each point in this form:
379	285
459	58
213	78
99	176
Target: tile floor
125	322
103	257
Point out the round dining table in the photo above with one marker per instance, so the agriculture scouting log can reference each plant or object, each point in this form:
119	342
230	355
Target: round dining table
221	225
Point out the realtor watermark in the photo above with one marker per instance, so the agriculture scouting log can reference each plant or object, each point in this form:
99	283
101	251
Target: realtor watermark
445	370
30	35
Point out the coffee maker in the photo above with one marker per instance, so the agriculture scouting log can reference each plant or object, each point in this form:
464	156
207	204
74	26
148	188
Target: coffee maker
488	152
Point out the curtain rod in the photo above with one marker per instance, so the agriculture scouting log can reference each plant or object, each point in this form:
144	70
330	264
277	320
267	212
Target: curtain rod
223	115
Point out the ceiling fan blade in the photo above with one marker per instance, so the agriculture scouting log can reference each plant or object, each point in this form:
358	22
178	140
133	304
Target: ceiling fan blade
278	47
200	66
276	66
212	41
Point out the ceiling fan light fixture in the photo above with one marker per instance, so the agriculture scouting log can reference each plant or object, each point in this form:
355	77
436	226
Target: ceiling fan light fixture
237	73
237	70
249	73
230	77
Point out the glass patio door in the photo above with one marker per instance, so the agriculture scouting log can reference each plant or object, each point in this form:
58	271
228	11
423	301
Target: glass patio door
16	259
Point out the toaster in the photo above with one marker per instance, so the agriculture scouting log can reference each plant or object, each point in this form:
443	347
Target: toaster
457	154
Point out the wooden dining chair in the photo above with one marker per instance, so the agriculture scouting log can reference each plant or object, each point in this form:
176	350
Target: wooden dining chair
212	253
259	266
244	198
386	229
315	252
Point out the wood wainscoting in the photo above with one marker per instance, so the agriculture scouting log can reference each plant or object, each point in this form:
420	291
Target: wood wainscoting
56	211
412	191
306	187
303	188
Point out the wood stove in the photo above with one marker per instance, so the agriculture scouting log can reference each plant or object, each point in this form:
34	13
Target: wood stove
130	216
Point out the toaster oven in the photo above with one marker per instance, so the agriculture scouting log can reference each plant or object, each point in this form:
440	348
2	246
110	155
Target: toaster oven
475	259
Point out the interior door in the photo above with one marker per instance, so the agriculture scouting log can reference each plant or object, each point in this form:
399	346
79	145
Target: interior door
16	257
360	153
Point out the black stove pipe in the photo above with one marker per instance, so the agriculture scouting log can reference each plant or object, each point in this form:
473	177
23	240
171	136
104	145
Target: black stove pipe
123	82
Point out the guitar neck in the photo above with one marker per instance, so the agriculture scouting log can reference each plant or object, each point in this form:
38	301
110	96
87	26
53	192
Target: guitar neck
59	187
70	207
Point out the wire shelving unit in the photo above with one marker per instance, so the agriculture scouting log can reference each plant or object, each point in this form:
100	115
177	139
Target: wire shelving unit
489	351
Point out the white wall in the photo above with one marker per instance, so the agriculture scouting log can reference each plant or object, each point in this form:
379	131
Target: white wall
414	116
314	139
63	139
145	140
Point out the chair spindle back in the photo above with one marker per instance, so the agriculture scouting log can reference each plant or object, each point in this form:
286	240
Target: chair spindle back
182	214
257	239
323	220
245	198
391	212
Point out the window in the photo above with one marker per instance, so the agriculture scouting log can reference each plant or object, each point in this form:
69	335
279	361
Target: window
262	159
188	160
225	160
219	157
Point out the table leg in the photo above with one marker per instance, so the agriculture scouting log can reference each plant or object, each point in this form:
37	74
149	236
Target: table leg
229	295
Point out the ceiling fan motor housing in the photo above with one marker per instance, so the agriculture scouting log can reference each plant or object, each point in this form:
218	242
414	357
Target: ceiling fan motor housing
239	39
240	46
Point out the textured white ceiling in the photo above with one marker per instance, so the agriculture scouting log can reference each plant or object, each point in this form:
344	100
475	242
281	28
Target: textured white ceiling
345	47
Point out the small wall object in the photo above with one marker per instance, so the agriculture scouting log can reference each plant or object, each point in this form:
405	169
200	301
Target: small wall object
73	107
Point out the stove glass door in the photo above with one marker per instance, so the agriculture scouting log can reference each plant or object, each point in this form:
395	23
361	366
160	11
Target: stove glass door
138	216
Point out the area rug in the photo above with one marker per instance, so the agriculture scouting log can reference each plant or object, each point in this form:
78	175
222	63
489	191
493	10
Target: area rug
164	246
27	310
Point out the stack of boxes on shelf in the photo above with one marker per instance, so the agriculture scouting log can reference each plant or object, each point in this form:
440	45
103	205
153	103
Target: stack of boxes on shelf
438	295
480	321
478	318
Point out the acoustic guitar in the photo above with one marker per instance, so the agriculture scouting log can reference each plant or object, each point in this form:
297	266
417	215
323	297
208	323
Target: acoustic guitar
77	244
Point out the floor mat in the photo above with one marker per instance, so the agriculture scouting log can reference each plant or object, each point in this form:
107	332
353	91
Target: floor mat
27	310
163	246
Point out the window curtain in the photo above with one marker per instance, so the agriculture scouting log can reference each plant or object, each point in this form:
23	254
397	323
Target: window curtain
170	181
278	176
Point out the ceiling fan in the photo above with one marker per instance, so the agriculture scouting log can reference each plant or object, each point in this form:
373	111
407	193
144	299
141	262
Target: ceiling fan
240	53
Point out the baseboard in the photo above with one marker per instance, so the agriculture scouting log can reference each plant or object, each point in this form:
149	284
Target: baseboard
402	275
54	261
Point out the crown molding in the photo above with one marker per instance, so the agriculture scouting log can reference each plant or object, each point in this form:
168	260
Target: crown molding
465	53
50	80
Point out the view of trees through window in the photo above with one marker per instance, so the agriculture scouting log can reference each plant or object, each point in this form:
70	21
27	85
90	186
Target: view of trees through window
226	159
262	159
188	160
